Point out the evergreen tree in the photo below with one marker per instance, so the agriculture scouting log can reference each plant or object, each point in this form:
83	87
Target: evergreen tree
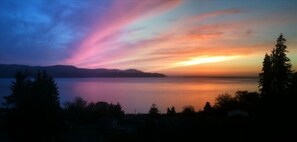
293	87
40	92
45	90
281	66
34	107
171	111
154	110
266	77
207	107
188	110
20	90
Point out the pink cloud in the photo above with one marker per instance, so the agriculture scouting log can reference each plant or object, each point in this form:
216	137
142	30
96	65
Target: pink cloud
120	15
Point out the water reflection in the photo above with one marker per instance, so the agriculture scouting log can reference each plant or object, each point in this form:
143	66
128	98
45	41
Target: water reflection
139	93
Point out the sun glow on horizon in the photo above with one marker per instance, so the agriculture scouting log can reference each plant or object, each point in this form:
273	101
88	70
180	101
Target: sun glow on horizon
204	59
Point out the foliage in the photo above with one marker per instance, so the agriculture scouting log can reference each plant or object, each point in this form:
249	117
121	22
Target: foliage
34	107
171	111
248	101
266	76
154	110
225	102
276	71
188	110
281	66
79	111
243	100
293	85
207	108
20	89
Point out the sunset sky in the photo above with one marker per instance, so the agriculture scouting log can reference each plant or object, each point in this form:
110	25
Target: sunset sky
174	37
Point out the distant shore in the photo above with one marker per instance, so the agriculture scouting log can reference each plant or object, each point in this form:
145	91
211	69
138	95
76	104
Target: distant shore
67	71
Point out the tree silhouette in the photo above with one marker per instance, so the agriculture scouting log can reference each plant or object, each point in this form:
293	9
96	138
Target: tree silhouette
281	66
76	111
293	87
78	103
225	102
116	110
188	110
34	108
79	112
247	101
45	91
171	111
20	90
154	110
207	107
266	76
42	92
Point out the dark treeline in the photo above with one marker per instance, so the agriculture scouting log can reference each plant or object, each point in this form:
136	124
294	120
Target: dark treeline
33	112
79	111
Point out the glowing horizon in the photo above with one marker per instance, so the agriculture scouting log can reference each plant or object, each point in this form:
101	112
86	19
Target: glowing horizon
173	37
203	60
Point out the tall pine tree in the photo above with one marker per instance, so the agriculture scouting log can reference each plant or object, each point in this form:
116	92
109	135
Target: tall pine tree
281	66
266	77
20	90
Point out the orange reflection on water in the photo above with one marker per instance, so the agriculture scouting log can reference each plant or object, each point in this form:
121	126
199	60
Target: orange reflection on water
140	93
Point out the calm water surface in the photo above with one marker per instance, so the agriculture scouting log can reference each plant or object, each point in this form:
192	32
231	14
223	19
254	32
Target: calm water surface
138	94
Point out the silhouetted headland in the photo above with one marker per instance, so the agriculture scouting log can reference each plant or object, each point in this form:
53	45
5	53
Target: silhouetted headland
67	71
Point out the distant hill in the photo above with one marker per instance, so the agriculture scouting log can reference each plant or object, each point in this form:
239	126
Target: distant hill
67	71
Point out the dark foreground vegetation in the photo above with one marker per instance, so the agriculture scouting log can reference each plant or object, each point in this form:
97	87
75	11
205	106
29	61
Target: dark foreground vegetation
33	113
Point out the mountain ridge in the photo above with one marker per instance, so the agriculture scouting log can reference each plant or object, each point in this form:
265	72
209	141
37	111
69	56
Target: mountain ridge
70	71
